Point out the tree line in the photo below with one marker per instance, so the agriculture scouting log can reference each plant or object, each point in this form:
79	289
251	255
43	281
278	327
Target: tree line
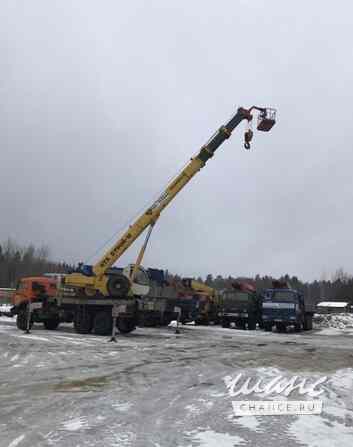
19	261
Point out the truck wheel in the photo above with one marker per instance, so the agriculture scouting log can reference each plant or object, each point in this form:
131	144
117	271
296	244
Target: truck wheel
241	325
103	323
297	327
308	323
118	286
51	324
125	325
82	321
251	325
204	321
280	327
225	323
21	320
268	327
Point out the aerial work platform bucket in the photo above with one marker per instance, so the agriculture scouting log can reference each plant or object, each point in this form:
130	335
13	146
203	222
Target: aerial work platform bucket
266	119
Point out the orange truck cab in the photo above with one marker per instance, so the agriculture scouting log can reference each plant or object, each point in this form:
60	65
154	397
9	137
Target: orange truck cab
43	290
30	289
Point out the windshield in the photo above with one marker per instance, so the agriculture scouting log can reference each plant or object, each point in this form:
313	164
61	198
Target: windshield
284	295
241	297
21	285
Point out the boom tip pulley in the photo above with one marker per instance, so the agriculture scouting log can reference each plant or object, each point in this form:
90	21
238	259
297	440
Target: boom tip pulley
265	121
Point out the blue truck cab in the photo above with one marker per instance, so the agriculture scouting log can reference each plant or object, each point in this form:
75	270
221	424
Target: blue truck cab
283	306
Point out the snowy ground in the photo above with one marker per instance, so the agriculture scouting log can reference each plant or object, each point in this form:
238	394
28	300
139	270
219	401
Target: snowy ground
154	388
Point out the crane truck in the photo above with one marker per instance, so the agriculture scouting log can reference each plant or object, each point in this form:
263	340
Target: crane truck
100	294
207	301
241	306
283	306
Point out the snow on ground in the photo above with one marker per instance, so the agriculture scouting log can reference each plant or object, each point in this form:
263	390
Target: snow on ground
334	426
250	422
7	319
209	438
17	441
154	388
76	424
317	432
334	320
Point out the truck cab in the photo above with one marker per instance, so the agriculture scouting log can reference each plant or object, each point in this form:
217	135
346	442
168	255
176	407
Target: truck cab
43	290
28	289
241	306
283	306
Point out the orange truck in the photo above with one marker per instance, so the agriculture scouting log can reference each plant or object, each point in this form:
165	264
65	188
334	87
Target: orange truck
43	290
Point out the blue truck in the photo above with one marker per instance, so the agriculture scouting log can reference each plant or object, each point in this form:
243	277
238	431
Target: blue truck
283	306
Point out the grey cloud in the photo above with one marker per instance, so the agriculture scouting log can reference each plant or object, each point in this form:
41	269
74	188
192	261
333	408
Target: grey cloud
101	103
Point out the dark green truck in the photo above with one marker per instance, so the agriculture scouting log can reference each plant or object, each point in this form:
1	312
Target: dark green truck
241	306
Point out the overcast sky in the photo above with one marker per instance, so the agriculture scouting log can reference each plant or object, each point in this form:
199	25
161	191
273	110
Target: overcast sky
102	102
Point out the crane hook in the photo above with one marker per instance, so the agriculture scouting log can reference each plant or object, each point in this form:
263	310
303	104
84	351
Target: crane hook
247	138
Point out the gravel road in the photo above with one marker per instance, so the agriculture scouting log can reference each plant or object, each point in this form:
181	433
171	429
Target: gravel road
154	388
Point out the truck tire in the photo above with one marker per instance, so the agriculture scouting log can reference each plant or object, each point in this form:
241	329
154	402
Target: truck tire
125	325
51	324
103	323
241	325
308	323
204	321
225	323
21	320
118	286
268	327
82	321
280	327
297	327
251	325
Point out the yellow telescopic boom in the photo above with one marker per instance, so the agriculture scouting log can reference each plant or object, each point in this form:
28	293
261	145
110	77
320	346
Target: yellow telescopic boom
98	279
198	286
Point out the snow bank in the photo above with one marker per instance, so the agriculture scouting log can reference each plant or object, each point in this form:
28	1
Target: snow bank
5	307
337	321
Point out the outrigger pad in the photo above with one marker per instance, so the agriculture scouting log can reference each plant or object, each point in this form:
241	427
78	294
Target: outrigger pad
266	120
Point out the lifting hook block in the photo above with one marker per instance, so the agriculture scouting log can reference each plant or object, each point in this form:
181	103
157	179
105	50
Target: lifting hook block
247	138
